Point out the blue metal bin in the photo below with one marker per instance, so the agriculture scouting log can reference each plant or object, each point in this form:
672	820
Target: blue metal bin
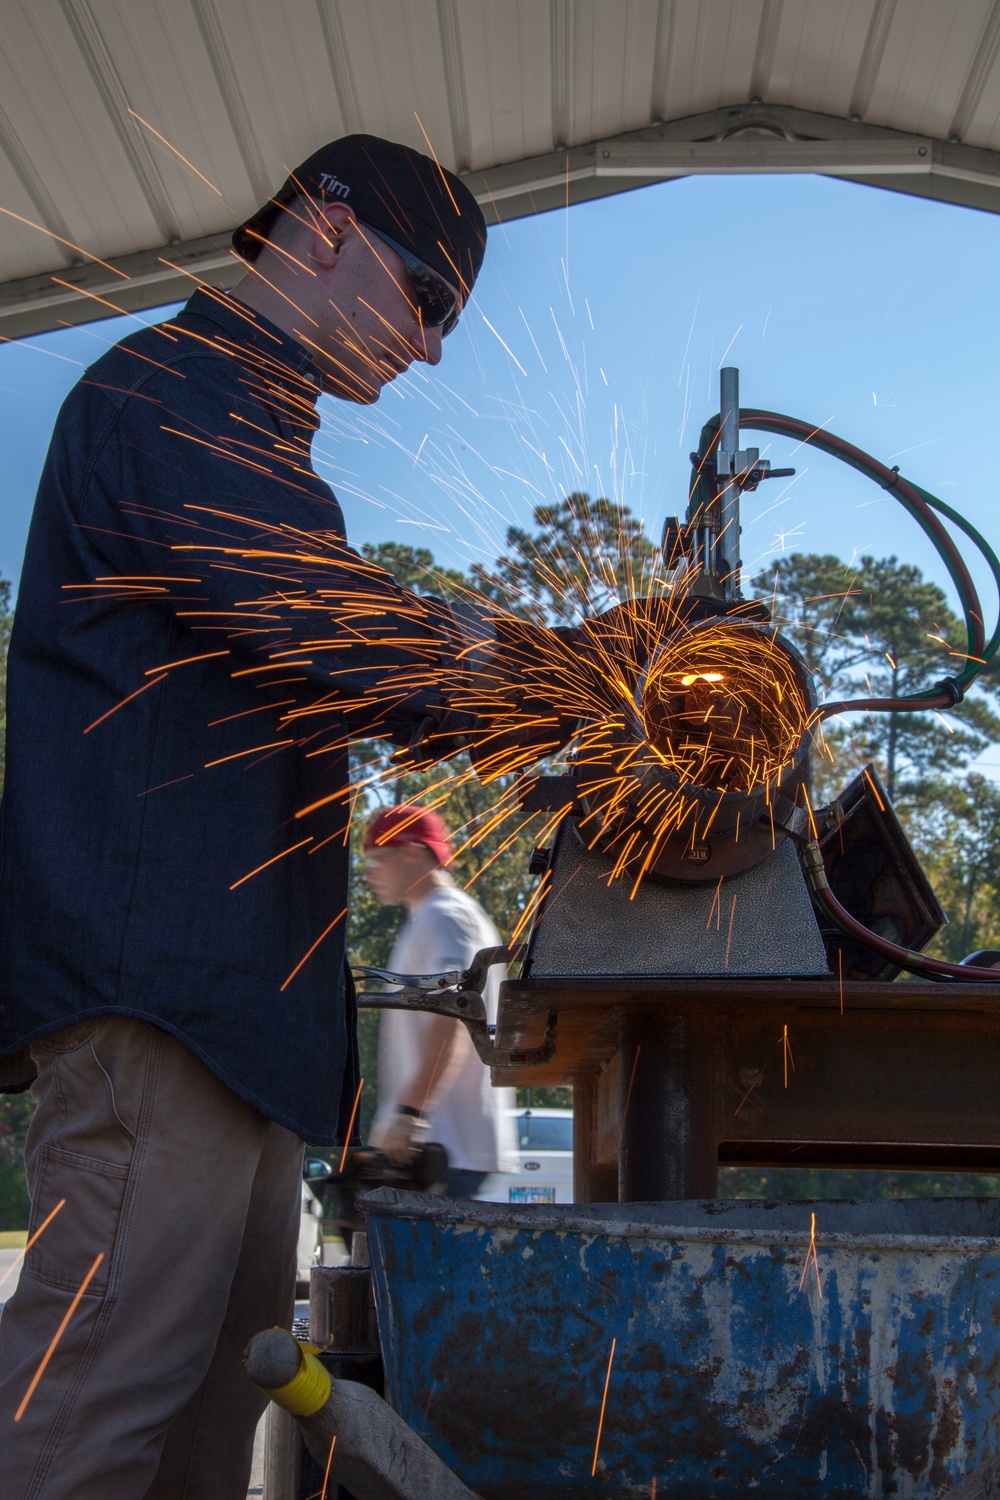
728	1380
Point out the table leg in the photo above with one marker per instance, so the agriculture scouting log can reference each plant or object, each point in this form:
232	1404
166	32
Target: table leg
591	1183
667	1148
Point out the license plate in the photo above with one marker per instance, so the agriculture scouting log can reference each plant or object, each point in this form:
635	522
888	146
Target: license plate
532	1195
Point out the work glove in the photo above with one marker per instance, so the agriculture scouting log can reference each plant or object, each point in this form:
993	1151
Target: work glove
505	690
548	682
441	735
402	1140
519	692
625	636
528	697
465	633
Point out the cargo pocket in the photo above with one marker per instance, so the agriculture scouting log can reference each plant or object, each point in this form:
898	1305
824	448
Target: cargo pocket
68	1038
86	1225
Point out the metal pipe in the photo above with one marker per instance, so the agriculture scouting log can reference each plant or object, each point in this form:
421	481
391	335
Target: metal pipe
727	546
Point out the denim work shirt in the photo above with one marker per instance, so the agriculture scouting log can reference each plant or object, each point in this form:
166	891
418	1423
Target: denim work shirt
179	557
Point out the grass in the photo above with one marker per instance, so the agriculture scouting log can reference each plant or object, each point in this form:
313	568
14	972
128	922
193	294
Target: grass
13	1239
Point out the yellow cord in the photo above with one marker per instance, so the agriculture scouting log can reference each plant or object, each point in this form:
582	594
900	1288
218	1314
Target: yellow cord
307	1391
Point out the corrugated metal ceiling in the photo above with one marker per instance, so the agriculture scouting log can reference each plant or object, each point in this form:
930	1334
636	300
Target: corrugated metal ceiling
140	131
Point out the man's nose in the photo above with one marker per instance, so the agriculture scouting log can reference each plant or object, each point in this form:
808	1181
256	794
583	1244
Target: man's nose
429	345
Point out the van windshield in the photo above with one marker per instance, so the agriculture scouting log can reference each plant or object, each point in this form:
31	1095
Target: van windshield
544	1133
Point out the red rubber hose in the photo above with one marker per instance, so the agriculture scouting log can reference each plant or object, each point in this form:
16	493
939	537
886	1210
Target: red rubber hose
905	958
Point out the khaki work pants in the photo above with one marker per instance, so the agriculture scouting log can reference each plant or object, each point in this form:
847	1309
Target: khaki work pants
194	1199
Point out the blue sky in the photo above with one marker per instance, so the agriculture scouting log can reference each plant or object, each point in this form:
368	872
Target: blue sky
589	361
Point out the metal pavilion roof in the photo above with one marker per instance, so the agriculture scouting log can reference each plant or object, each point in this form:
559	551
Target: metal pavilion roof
140	131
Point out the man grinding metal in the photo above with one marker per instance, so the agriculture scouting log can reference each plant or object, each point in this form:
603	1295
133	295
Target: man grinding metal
172	941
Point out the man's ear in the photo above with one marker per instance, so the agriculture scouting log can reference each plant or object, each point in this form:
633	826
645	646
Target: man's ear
334	225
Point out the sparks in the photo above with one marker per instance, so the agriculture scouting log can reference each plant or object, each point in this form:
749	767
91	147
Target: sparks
604	1400
42	1226
350	1125
55	1341
812	1257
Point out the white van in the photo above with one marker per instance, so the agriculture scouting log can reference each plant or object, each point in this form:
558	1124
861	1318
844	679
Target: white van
544	1172
310	1246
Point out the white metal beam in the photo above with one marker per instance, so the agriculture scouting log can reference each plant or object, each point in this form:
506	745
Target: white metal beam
753	138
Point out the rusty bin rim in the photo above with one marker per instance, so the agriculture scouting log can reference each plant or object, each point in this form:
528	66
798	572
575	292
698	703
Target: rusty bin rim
396	1203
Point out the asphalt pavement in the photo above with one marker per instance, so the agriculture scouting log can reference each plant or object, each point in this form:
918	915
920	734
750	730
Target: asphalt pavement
9	1259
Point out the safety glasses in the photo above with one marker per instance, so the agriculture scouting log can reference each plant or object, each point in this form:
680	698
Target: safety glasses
435	301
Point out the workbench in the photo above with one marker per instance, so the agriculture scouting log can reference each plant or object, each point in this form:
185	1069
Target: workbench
674	1077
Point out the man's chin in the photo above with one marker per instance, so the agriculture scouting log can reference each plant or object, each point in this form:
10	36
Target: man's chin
359	395
351	388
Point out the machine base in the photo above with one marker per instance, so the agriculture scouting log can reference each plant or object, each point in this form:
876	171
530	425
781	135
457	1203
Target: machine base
758	923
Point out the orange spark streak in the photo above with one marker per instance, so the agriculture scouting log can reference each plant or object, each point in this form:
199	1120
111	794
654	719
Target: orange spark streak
350	1125
185	661
715	910
811	1256
430	148
255	271
874	791
273	860
164	142
307	956
278	249
786	1052
329	1461
754	1082
122	313
78	248
234	458
43	1225
273	744
531	906
230	303
604	1399
58	1335
631	1081
729	935
505	845
245	711
124	701
277	666
161	784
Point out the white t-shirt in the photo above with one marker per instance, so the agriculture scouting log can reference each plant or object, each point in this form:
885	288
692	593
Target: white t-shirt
445	931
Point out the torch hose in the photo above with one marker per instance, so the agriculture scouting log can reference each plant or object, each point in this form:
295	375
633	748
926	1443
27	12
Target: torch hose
905	958
922	506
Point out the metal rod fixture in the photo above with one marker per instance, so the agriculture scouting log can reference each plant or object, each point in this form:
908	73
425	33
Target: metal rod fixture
727	545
